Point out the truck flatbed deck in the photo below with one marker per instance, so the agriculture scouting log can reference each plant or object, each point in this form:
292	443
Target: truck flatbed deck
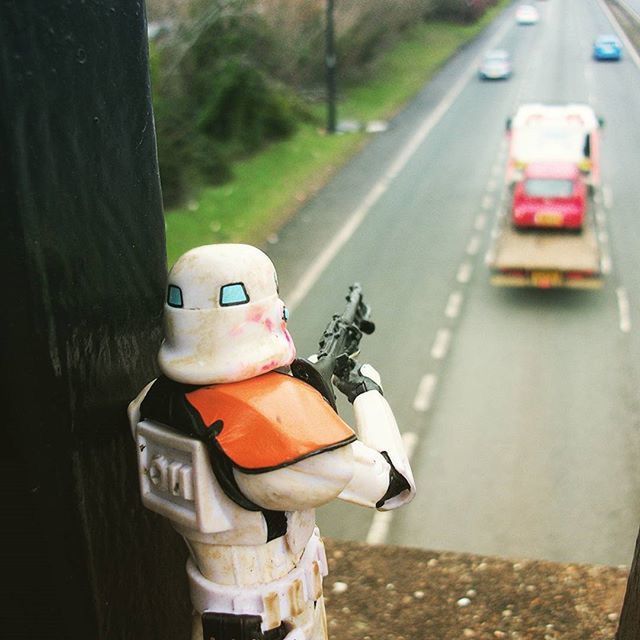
546	258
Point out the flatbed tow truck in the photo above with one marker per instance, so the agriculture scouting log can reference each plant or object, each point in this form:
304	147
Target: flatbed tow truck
546	259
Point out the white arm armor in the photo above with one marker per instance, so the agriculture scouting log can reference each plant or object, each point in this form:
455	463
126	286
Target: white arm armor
357	473
307	484
378	430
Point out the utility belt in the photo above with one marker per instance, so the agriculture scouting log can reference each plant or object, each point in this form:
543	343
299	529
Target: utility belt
243	606
231	626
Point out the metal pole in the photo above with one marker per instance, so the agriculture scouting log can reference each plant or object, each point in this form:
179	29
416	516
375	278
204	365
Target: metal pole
330	66
83	275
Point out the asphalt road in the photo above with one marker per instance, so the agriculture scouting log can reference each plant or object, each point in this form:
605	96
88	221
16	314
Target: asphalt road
521	408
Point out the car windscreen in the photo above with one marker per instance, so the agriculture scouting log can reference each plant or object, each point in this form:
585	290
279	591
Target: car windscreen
548	188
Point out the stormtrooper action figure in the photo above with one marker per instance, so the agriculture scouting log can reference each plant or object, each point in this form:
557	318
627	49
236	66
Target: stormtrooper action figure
237	453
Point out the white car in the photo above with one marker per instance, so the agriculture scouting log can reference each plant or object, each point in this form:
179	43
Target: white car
527	14
496	65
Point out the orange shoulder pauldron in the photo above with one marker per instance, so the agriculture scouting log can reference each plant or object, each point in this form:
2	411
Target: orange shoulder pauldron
269	421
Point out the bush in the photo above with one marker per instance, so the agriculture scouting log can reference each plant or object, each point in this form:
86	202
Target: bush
213	103
225	78
461	10
241	109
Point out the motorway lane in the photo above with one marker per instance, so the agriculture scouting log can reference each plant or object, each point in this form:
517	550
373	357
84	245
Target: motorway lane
406	256
547	379
526	428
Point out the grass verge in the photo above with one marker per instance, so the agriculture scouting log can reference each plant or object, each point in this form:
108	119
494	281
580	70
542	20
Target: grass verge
268	187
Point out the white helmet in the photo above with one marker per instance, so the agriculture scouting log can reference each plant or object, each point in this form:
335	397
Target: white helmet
224	320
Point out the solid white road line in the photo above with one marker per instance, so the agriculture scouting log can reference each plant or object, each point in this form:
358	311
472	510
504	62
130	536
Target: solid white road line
464	273
441	344
325	258
424	394
454	303
623	310
317	267
630	9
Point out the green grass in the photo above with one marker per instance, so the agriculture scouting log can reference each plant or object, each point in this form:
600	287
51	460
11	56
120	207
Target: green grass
403	70
268	187
265	190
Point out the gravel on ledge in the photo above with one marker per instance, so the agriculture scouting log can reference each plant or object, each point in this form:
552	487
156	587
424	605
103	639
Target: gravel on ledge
399	593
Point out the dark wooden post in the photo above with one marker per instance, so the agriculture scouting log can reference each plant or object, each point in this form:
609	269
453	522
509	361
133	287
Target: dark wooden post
629	628
83	270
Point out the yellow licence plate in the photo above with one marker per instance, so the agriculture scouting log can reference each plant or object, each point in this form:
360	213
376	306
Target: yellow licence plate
548	219
546	279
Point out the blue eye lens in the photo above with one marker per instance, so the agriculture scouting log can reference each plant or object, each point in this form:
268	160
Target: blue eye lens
232	294
174	297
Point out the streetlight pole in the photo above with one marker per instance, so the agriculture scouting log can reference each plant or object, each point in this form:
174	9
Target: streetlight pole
330	66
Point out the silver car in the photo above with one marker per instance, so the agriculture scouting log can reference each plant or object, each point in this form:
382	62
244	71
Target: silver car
527	14
496	65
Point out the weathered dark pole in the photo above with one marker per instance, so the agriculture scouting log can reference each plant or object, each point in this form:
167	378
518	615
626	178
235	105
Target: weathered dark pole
330	67
629	627
83	271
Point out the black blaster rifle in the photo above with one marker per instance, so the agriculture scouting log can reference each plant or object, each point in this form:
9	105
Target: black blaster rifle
339	345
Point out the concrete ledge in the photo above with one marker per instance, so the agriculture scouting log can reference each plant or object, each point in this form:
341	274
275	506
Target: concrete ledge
395	593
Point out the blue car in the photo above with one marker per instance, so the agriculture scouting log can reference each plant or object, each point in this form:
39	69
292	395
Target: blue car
607	48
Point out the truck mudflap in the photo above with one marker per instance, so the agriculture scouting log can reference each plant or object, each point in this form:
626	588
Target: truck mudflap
548	279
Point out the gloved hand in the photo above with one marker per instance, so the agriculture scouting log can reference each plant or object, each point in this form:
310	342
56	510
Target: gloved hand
364	378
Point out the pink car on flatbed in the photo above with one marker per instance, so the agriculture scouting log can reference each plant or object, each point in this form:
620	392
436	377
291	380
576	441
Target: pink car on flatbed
550	195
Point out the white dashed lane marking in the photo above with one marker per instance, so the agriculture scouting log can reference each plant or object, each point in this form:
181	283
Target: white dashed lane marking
623	310
487	202
441	344
473	245
454	303
424	394
464	273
